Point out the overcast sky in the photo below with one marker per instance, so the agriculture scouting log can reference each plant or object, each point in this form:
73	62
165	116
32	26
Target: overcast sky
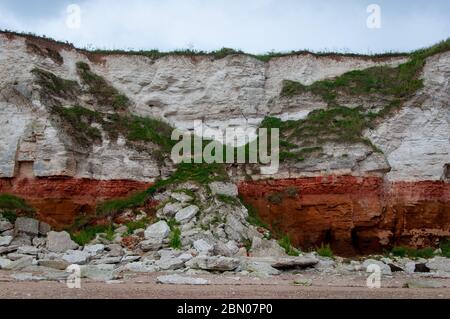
254	26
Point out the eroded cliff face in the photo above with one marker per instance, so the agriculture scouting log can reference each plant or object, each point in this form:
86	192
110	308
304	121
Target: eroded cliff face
356	195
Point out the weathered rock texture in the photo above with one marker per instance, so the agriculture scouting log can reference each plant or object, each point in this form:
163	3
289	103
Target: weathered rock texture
353	197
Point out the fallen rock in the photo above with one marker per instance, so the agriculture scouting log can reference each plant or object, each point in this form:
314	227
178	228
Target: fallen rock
171	209
229	249
263	248
221	188
107	261
203	247
422	284
141	267
44	228
28	250
94	249
440	264
5	225
182	197
214	263
27	277
60	242
39	242
21	239
4	262
98	272
159	231
54	264
152	244
114	250
25	225
385	269
262	268
186	214
6	240
170	263
10	248
76	257
20	263
181	280
294	262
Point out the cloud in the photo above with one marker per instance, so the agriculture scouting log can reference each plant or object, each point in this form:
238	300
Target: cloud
254	26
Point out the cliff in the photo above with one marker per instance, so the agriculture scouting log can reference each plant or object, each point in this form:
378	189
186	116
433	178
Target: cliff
367	148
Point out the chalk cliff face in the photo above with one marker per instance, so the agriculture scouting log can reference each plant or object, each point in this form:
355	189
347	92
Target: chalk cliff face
41	157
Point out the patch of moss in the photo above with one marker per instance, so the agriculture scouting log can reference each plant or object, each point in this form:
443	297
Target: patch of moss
285	243
55	85
401	251
105	94
84	236
11	206
137	224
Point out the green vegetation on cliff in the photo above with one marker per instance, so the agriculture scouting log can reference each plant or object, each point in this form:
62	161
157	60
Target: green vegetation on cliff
11	206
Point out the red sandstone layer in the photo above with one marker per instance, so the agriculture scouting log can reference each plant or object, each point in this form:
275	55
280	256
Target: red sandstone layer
60	200
354	215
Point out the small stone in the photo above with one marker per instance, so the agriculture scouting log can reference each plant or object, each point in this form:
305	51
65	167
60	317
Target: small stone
20	263
27	277
107	261
203	247
221	188
159	230
4	262
441	264
94	249
28	250
141	267
385	269
98	272
180	280
128	259
5	225
5	250
114	250
422	284
151	244
186	214
6	240
171	209
16	256
76	257
182	197
170	263
44	228
39	242
54	264
262	268
294	262
25	225
303	282
21	239
214	263
60	242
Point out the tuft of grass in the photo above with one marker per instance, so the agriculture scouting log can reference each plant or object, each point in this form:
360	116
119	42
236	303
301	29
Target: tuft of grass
401	251
325	251
285	243
175	238
230	200
135	225
113	207
84	236
11	206
445	247
253	216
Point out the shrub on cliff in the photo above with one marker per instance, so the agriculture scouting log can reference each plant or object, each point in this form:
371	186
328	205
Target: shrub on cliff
11	206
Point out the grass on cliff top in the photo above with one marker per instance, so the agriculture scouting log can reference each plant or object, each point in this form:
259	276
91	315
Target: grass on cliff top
398	82
105	94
